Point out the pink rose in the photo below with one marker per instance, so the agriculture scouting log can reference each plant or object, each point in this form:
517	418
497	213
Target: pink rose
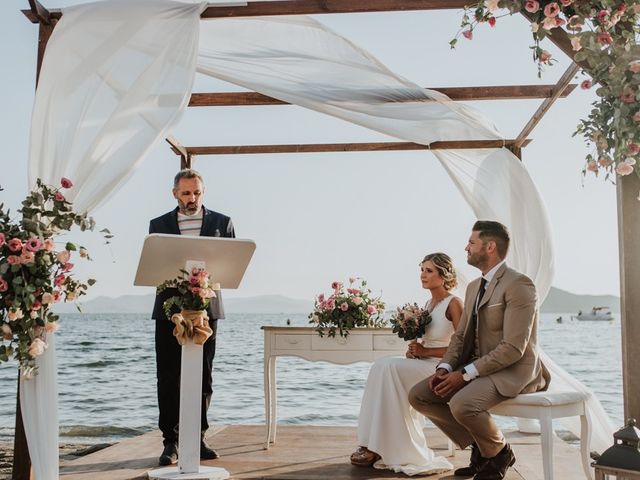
352	280
566	3
48	245
26	257
36	306
545	56
357	300
194	281
336	285
14	260
592	166
586	85
321	298
4	286
551	9
604	38
344	306
602	15
468	34
353	291
34	244
492	5
330	304
15	314
66	183
624	168
492	21
67	267
630	160
371	309
47	298
636	116
58	197
37	347
531	6
549	22
196	291
1	239
621	8
59	280
15	244
63	256
634	66
633	148
628	97
605	162
56	296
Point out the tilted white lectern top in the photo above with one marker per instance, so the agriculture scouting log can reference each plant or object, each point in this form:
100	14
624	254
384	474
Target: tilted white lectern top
162	258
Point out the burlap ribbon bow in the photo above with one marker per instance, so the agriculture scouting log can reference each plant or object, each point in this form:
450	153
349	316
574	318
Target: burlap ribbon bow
191	324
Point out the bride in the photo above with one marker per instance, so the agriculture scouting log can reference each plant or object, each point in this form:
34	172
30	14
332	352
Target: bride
390	431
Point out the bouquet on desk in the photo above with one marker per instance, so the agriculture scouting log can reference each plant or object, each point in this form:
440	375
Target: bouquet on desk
345	309
194	295
410	321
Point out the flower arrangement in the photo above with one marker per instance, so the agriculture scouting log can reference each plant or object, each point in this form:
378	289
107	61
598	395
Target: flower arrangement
35	272
345	309
603	35
410	321
194	291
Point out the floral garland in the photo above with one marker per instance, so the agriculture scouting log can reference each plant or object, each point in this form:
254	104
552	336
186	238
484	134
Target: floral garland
603	35
35	274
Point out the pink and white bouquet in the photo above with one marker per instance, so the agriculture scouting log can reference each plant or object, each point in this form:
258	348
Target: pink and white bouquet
36	272
344	309
194	291
410	321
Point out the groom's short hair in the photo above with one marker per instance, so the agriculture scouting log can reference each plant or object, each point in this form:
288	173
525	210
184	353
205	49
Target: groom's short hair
490	230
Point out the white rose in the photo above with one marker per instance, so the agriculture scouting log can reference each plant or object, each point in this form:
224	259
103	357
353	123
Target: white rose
357	300
7	334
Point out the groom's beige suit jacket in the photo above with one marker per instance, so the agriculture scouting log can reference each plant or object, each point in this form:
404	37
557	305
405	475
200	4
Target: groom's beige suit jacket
504	345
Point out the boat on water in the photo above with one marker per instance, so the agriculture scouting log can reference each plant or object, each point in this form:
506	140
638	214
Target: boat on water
596	314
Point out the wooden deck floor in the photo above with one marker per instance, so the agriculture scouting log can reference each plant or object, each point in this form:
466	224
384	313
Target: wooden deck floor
301	453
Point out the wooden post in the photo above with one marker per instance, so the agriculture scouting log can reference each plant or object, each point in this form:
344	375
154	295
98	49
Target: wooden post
628	190
21	460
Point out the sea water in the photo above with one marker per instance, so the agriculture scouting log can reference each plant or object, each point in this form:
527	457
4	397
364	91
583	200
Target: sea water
107	383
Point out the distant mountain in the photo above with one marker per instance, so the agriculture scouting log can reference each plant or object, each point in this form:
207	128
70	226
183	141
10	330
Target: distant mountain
144	304
561	301
558	301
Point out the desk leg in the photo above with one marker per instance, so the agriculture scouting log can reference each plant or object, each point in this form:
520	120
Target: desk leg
267	399
273	393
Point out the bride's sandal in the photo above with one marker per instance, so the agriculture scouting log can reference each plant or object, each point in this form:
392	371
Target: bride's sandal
363	457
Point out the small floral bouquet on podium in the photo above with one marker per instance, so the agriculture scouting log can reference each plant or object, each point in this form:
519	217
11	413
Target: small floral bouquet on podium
410	321
345	309
194	293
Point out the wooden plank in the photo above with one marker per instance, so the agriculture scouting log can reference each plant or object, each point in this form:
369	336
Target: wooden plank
347	147
41	13
566	77
312	7
509	92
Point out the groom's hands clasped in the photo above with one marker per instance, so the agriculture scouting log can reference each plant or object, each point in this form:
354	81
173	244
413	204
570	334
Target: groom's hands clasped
445	384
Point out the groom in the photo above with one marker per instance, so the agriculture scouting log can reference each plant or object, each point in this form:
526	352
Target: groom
491	357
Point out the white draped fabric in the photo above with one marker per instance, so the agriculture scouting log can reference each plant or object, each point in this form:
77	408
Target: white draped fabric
117	74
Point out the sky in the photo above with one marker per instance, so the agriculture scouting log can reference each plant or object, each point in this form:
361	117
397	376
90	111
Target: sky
321	217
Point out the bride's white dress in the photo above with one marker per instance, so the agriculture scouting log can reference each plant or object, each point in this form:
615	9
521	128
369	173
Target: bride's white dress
387	424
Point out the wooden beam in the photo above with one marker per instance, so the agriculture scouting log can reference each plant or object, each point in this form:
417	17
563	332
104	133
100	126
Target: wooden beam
312	7
178	149
40	12
560	87
512	92
347	147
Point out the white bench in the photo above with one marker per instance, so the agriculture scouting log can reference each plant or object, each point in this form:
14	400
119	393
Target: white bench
545	406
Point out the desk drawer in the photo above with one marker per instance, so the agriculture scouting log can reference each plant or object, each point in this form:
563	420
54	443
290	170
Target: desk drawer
389	342
352	342
293	342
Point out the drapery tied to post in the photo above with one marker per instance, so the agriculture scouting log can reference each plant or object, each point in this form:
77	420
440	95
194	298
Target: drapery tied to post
191	325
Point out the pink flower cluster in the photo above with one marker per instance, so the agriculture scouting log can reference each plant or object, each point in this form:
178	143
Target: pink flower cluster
199	283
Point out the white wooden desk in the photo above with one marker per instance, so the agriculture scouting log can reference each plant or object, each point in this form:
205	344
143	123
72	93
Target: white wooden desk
362	344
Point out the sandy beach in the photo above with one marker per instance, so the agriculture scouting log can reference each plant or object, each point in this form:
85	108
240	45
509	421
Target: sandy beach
68	451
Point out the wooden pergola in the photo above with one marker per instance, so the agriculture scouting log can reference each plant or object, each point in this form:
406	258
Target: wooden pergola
627	187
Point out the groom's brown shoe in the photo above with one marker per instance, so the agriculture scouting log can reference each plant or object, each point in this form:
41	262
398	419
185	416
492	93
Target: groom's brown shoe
476	462
496	468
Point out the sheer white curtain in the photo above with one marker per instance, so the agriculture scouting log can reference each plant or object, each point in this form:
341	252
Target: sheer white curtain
303	62
116	76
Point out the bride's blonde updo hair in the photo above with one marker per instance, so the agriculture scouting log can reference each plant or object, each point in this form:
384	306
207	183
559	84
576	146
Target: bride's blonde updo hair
444	266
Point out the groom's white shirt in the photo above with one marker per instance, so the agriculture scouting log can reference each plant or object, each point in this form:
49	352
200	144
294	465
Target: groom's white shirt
471	369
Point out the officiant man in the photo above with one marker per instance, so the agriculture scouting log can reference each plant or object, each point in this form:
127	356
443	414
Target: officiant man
190	217
491	357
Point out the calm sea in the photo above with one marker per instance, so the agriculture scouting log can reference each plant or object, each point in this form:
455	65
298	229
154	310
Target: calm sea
107	375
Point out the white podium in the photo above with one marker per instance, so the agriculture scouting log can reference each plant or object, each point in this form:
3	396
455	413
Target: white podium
162	258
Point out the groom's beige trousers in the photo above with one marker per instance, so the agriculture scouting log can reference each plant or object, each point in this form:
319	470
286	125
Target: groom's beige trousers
463	417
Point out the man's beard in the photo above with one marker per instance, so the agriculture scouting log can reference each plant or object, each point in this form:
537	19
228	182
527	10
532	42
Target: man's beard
477	260
190	208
